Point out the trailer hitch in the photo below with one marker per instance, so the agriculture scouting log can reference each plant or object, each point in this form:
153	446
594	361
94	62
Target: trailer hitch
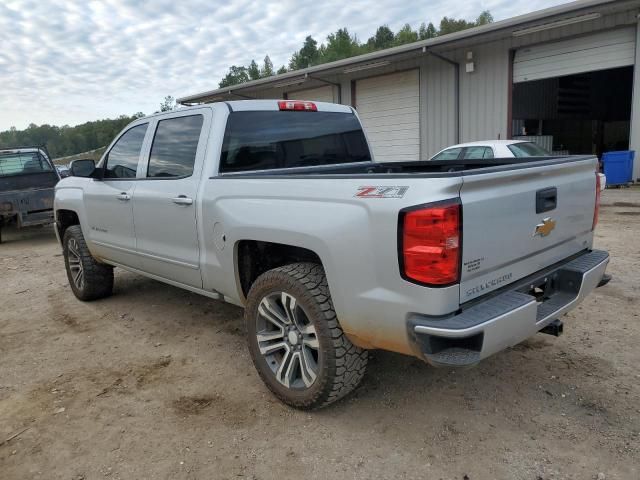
555	328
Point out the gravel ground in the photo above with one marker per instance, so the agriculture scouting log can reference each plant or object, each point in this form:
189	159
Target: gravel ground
156	382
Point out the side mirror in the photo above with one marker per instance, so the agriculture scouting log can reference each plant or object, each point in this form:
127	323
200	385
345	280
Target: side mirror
82	168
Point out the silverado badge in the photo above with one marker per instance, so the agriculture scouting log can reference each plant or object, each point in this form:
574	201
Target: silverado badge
543	229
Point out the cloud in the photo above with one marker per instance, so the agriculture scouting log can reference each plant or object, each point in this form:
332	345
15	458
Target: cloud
69	61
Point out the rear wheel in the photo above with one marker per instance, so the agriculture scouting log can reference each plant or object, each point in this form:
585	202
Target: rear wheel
295	340
89	279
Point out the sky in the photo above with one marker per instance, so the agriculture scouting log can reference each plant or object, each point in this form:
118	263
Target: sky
71	61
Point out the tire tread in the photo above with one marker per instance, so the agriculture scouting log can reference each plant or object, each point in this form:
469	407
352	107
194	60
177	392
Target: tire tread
98	277
349	364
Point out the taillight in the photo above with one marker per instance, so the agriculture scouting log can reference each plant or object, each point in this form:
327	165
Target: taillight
431	250
297	106
596	210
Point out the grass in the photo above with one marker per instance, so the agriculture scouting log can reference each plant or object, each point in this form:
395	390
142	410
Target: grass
93	154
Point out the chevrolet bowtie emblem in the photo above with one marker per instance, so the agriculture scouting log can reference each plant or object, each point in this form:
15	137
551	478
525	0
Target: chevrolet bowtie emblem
543	229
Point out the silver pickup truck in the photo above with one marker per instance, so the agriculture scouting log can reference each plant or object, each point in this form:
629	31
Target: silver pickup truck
278	206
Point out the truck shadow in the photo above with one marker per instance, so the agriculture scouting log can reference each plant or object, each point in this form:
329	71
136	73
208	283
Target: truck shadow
177	309
38	235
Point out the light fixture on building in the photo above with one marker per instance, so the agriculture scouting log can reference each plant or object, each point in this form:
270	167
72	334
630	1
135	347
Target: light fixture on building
559	23
366	66
288	83
470	66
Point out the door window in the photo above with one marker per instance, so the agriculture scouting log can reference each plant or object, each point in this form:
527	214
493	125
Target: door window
449	154
474	153
173	152
122	159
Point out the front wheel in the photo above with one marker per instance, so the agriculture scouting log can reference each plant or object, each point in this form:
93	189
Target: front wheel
89	279
295	340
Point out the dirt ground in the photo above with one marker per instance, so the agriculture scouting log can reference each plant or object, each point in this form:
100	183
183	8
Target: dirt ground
156	382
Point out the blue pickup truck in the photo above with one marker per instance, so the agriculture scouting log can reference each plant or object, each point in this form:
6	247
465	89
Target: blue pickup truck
27	181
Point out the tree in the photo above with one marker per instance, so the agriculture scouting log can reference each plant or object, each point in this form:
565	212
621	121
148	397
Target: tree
484	18
451	25
168	104
406	35
282	70
339	45
235	76
253	71
306	56
267	68
64	141
427	32
383	38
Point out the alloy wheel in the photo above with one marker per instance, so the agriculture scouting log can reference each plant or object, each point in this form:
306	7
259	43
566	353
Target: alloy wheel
75	263
287	340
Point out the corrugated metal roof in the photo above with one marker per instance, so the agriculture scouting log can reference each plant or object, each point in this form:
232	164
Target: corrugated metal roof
501	28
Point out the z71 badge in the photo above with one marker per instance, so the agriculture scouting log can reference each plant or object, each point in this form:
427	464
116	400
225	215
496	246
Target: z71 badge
381	192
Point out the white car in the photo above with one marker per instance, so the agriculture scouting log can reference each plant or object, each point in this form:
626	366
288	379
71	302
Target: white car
498	149
491	149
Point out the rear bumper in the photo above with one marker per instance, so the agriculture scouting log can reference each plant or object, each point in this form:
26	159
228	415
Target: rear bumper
508	318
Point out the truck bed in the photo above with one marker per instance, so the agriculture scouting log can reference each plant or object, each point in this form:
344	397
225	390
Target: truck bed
445	168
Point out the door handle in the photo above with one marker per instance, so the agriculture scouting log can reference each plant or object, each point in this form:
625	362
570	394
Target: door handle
546	199
182	200
124	196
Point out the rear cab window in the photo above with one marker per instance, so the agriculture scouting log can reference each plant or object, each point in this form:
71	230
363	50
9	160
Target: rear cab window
23	163
263	140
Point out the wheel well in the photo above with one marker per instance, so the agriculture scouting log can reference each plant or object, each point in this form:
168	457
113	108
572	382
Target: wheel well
256	257
65	219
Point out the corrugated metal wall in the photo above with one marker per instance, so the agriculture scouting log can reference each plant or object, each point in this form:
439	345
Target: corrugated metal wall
605	22
484	94
437	106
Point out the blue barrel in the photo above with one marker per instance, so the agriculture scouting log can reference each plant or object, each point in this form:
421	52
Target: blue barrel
618	167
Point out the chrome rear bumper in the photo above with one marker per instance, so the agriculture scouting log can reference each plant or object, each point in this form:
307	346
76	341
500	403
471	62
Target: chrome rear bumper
508	318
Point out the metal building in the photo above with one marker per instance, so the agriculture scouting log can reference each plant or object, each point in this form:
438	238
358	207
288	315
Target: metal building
564	76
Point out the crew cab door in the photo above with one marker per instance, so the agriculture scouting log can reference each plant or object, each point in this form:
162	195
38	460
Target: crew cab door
108	201
165	202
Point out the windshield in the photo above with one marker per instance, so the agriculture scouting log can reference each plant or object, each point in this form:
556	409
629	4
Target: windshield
267	140
22	163
527	149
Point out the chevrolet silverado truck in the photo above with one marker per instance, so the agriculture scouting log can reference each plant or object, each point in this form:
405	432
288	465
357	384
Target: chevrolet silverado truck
278	207
27	181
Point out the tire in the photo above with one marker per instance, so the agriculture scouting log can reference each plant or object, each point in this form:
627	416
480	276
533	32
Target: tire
89	279
295	340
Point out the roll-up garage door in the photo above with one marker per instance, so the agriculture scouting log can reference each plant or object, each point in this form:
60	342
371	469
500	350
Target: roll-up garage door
320	94
598	51
389	109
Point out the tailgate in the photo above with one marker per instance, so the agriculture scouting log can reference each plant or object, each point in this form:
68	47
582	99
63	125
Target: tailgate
519	221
